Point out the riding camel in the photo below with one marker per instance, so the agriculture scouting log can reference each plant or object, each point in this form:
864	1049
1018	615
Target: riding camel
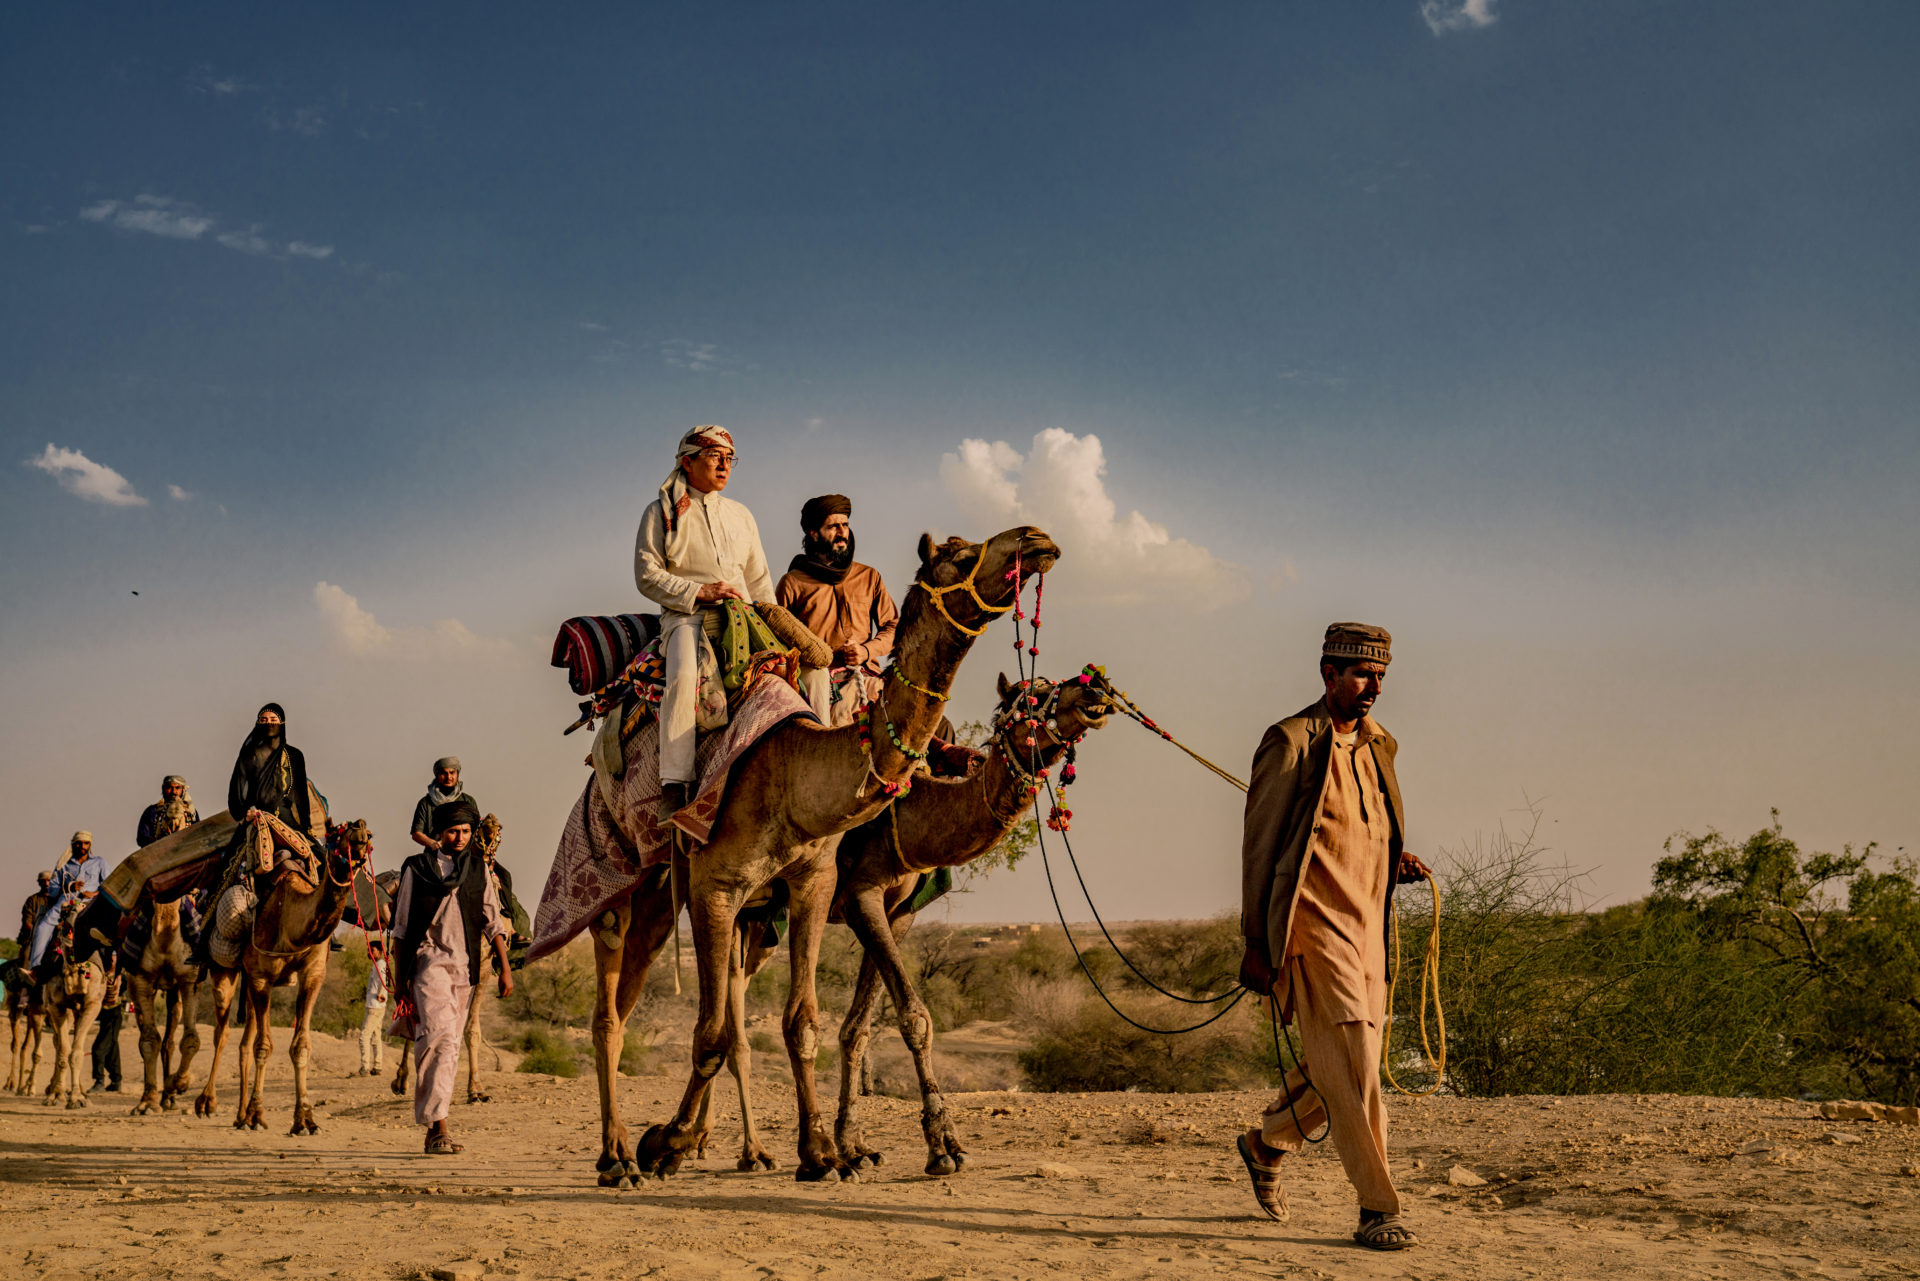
287	944
943	822
26	1022
72	993
790	795
165	968
486	838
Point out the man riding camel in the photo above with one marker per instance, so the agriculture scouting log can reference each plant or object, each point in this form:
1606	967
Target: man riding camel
75	881
1321	852
157	820
696	550
30	912
445	789
445	909
842	602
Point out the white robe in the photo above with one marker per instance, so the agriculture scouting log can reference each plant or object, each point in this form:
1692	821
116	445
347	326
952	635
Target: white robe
441	991
717	541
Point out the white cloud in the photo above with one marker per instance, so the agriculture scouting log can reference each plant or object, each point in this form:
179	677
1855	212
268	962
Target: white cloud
178	220
593	327
1060	486
695	357
203	80
80	476
357	631
154	215
1444	16
178	494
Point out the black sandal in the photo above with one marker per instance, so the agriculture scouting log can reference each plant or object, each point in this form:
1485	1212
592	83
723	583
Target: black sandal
1388	1232
1266	1184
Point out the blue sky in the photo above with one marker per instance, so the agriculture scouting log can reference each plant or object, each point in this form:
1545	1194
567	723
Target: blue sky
1573	343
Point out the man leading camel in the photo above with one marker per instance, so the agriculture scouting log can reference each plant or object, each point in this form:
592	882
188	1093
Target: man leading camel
446	906
842	602
445	789
696	550
1321	852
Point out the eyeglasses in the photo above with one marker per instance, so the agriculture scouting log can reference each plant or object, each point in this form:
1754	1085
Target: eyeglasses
717	456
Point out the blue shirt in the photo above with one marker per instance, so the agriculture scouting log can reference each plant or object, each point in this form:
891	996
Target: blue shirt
77	877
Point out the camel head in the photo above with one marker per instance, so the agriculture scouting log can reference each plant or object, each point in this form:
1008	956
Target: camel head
1084	704
177	816
487	837
965	586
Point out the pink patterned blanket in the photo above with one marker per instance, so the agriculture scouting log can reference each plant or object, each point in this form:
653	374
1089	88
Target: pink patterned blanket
594	866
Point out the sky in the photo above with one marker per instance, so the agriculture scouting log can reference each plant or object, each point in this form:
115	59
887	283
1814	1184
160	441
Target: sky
1575	344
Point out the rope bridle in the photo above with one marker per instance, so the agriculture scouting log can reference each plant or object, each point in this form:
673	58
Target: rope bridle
938	596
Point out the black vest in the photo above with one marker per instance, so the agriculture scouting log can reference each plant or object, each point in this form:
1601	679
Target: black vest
468	885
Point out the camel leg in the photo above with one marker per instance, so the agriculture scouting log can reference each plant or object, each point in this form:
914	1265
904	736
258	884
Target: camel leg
714	913
856	1030
225	984
57	1018
740	1060
642	925
476	1041
867	914
812	894
81	1079
402	1068
182	1000
312	976
151	1042
30	1048
256	1045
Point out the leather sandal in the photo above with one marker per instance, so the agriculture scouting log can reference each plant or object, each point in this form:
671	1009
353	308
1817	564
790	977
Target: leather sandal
1266	1183
1388	1232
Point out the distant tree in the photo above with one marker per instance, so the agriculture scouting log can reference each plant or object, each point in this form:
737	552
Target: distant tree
1836	930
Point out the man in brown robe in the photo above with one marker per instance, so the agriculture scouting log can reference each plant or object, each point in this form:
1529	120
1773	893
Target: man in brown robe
1321	853
842	602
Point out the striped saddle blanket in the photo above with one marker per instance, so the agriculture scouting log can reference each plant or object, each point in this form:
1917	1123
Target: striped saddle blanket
595	648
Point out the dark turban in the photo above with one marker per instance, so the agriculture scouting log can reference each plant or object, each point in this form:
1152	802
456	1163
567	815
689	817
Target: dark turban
454	813
814	514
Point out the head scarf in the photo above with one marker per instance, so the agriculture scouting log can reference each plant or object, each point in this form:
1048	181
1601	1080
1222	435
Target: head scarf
447	763
674	498
169	781
269	737
454	813
814	512
1360	641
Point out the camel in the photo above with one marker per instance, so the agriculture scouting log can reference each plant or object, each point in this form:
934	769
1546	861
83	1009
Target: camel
944	822
473	1038
789	798
165	967
288	944
26	1021
72	994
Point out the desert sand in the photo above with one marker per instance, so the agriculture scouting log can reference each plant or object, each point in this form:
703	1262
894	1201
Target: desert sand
1111	1185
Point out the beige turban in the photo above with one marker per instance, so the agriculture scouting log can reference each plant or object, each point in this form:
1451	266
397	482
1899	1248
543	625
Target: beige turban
82	835
1358	640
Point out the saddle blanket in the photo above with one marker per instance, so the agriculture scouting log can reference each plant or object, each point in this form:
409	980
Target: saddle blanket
614	834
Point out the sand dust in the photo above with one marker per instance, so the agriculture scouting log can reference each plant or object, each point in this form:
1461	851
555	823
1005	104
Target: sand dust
1590	1187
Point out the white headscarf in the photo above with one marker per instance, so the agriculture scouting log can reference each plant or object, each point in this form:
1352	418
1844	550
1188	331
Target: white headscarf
674	498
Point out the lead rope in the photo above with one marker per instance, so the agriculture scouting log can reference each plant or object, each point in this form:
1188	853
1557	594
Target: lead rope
1429	979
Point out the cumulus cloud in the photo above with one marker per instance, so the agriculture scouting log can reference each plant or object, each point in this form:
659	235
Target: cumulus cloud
80	476
357	631
1445	16
1060	485
178	494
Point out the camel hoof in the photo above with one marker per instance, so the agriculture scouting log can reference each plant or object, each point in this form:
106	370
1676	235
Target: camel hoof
941	1166
655	1155
818	1173
75	1104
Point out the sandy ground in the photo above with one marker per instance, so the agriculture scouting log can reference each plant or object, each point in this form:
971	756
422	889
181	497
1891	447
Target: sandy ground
1589	1187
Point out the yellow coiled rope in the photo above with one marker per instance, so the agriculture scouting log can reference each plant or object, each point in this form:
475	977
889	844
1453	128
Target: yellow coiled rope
1429	981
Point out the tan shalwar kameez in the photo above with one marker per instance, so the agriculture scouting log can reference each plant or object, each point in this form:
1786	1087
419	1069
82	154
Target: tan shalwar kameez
856	611
441	990
1333	980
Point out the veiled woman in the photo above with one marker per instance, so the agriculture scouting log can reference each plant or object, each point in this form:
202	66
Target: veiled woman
270	775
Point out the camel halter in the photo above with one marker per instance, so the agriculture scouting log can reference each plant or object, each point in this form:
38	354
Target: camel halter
937	595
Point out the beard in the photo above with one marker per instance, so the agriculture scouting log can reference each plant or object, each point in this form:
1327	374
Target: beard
823	551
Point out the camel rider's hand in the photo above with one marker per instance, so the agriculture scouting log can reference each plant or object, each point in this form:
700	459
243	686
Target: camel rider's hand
1412	869
850	655
714	593
1256	971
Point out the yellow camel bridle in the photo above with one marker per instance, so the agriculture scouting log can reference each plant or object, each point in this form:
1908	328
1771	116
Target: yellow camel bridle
935	594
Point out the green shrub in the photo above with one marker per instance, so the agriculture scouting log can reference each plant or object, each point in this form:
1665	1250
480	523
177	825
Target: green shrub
543	1051
1090	1048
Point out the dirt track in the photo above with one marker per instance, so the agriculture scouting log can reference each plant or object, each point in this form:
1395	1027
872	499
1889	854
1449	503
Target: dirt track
1592	1187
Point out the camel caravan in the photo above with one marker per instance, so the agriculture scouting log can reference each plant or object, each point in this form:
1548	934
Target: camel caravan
765	760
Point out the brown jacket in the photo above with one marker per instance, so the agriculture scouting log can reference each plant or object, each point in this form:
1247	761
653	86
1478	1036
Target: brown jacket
854	611
1289	771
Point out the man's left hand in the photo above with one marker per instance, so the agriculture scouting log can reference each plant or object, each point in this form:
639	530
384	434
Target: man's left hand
850	655
1412	869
